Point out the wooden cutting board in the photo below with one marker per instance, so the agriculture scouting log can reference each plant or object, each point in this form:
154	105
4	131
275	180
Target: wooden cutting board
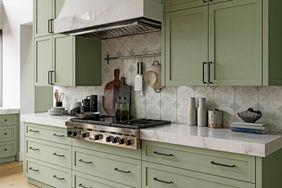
122	90
109	93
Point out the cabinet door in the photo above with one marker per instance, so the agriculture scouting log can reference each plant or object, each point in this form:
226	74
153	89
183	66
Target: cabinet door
235	42
217	1
43	12
186	46
63	60
43	59
173	5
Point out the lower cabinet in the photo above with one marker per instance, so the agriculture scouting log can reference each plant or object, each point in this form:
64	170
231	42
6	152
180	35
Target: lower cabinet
160	176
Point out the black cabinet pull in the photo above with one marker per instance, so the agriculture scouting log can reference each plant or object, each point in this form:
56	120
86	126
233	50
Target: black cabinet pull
5	133
204	82
5	149
34	170
87	162
34	149
34	131
163	181
83	186
50	25
59	135
209	73
58	178
224	165
5	120
122	171
50	77
58	155
163	154
204	1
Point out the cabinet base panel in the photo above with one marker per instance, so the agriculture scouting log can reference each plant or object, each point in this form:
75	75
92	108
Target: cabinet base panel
7	159
37	183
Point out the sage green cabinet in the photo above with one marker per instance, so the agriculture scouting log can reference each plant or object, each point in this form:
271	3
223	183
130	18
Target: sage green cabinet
173	5
186	46
44	14
9	137
235	43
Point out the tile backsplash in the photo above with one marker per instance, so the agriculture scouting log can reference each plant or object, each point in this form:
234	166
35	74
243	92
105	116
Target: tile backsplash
172	102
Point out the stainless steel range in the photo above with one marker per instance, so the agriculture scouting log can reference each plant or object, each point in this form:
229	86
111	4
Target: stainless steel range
106	131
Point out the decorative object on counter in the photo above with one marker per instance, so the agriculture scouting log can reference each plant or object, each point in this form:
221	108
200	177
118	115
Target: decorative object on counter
59	97
85	105
257	128
215	118
152	76
109	93
75	108
250	115
93	103
118	109
124	110
124	91
57	111
138	82
192	112
202	113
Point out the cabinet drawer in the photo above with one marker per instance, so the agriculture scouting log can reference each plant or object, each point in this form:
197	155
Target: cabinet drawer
174	5
160	176
119	169
50	134
7	133
235	166
8	119
86	181
53	153
52	176
7	149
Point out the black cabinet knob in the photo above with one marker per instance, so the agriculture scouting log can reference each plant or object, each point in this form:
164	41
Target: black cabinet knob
114	140
129	142
108	139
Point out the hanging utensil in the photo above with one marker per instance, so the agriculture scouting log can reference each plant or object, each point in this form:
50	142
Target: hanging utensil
138	86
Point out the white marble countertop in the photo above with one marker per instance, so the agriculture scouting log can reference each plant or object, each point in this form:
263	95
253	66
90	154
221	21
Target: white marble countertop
215	139
45	119
181	134
8	110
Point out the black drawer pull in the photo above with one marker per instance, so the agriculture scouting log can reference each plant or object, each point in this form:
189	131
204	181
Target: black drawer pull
34	149
163	154
83	186
34	170
33	131
163	181
5	133
58	155
5	149
58	178
225	165
59	135
122	171
87	162
5	120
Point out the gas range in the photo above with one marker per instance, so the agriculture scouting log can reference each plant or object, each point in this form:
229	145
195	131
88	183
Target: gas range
124	134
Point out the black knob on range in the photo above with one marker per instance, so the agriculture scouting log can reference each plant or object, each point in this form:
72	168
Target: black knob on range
74	133
84	135
120	140
69	133
114	140
108	138
129	142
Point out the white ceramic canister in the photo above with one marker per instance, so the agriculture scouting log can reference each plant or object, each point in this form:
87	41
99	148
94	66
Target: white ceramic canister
215	118
202	113
192	112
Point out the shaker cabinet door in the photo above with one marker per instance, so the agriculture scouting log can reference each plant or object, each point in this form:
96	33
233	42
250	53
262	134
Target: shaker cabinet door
186	46
173	5
235	42
43	60
43	13
63	49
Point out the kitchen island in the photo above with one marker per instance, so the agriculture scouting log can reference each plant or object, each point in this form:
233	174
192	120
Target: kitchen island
174	156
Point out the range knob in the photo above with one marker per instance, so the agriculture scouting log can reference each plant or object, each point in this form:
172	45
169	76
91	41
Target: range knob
74	133
129	142
98	137
108	138
120	140
114	140
69	133
84	135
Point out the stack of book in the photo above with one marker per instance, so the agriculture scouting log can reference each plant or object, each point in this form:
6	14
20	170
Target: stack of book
257	128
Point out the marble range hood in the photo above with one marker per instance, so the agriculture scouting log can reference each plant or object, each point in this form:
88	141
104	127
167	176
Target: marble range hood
103	19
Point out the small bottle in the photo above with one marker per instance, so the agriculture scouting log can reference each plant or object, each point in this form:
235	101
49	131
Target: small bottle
202	114
118	109
124	110
192	112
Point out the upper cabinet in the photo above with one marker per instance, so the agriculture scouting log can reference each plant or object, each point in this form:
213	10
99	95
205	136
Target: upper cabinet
217	42
60	59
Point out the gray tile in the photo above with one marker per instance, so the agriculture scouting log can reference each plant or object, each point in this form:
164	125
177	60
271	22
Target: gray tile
205	92
181	113
168	95
270	97
184	93
153	111
224	97
152	97
168	112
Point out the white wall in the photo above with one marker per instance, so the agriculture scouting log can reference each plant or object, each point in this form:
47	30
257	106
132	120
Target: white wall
15	13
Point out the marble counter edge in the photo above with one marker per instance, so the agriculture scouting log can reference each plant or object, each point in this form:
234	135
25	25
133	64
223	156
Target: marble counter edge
7	111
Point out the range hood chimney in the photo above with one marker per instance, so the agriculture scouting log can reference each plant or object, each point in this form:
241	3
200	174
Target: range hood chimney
104	19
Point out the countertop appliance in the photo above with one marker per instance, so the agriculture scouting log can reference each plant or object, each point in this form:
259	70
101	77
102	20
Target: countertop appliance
108	19
106	131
